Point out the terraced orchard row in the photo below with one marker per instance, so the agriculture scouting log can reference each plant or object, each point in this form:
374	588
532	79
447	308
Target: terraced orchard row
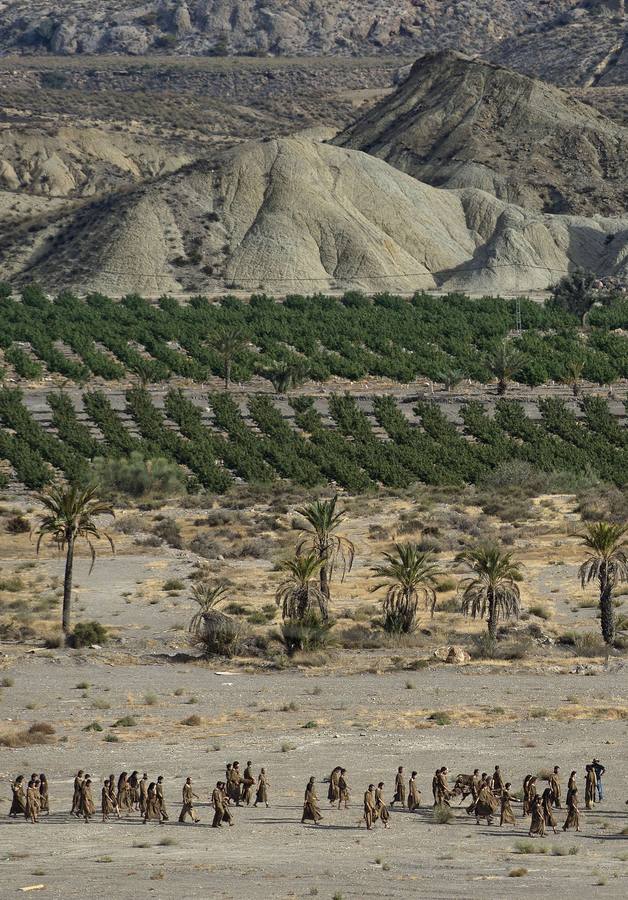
318	337
219	442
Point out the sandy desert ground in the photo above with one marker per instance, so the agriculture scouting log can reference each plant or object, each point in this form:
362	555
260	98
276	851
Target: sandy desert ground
370	708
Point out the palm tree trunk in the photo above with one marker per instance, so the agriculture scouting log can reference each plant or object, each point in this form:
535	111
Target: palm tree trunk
492	616
607	613
502	385
67	589
227	372
325	591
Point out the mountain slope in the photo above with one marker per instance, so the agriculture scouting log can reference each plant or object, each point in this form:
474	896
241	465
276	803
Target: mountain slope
279	27
68	161
294	215
461	122
587	46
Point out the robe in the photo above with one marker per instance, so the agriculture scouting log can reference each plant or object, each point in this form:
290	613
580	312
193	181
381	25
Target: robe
18	804
262	789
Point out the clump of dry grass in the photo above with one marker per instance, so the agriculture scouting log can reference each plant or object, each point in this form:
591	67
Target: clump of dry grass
38	733
191	721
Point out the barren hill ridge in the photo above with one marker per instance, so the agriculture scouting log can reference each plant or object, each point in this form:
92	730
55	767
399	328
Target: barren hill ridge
462	122
296	215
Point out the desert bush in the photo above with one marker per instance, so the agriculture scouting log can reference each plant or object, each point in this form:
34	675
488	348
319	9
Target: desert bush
605	503
168	530
17	525
443	814
87	633
540	611
361	637
11	584
173	584
585	643
308	633
125	722
483	646
440	718
38	733
192	721
139	477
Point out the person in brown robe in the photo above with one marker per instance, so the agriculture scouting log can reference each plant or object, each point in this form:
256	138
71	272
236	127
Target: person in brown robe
44	797
526	795
572	783
106	801
226	803
498	782
311	811
261	795
414	794
485	805
76	796
589	787
31	811
248	781
546	803
159	787
187	809
537	823
143	792
113	796
380	806
234	782
343	789
218	804
400	789
554	783
507	815
124	793
153	806
443	794
333	791
573	813
531	793
18	803
87	808
474	789
435	787
134	790
370	810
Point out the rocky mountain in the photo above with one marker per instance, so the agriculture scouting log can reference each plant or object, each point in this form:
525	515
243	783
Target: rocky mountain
287	27
296	215
586	46
461	122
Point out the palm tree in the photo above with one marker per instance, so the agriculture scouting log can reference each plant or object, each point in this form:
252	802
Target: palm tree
504	364
69	515
217	633
407	574
228	344
299	593
573	375
492	590
606	561
320	536
208	596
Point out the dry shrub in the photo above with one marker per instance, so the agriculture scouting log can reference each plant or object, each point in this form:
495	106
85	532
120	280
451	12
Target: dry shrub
38	733
191	721
218	634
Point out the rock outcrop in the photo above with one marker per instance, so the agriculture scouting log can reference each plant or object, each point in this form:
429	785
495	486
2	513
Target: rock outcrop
289	27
